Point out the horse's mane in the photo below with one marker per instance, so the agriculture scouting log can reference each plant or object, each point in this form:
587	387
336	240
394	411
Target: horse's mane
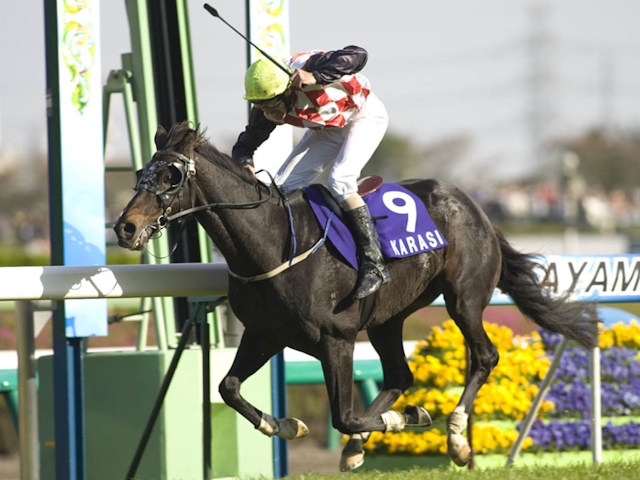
183	138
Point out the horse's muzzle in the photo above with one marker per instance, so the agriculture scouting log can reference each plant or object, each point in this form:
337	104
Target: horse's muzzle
127	238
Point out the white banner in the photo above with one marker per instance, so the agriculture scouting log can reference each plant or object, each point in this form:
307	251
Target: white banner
81	146
269	29
603	278
599	278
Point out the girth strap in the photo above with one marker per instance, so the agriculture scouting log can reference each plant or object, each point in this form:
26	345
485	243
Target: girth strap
288	263
281	268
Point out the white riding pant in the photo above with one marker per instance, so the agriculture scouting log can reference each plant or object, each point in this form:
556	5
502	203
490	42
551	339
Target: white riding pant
348	148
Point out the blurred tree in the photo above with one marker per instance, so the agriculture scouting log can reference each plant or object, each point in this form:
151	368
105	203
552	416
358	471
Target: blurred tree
611	161
442	158
399	158
394	159
24	186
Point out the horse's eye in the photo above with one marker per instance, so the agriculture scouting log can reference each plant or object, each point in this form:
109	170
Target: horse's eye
175	176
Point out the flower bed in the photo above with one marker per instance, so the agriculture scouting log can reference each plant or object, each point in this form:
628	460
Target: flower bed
438	365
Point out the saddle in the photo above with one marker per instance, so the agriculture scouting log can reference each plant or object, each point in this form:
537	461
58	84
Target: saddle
366	186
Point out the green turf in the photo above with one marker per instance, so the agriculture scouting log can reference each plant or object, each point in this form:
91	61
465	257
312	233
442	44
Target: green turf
617	471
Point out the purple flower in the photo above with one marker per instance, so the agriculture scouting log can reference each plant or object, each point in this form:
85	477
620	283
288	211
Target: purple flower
549	339
558	436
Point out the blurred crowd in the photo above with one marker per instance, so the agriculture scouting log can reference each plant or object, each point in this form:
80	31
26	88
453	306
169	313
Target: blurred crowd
29	229
545	202
532	203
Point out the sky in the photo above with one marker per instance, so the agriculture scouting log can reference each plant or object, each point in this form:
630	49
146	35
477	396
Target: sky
484	70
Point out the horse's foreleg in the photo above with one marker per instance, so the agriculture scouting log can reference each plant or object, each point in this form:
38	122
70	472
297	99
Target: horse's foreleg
337	365
484	356
254	351
387	341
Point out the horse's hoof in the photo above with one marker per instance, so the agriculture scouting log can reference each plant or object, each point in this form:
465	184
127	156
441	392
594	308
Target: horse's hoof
459	449
292	428
353	453
418	416
351	461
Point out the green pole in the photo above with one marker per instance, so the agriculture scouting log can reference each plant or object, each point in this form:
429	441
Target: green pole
144	94
192	115
368	391
191	102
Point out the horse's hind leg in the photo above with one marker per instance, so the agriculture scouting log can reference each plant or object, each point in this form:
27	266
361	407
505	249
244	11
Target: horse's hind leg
254	351
387	341
467	313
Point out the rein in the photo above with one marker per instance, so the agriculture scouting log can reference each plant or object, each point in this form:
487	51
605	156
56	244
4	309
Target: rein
221	206
164	219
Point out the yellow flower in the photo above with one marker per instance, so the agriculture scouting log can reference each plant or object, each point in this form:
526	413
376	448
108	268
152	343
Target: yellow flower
606	339
438	364
486	439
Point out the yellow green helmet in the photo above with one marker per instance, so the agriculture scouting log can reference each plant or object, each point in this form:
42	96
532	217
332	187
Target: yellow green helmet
264	80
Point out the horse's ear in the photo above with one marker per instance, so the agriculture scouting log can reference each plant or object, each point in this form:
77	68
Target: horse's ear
190	139
161	138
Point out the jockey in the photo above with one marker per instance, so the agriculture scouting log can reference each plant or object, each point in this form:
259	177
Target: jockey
345	124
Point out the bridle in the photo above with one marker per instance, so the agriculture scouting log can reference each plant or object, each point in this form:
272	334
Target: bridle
186	168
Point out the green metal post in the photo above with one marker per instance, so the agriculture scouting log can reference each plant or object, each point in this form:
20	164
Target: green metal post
192	115
107	90
11	399
138	163
129	104
368	391
191	103
144	94
119	81
333	435
187	61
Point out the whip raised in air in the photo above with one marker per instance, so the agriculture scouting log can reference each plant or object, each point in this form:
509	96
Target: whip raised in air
214	12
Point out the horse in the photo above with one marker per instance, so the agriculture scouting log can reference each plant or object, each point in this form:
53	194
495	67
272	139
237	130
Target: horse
308	306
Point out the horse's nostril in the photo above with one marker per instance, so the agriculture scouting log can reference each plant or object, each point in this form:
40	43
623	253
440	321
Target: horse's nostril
130	229
127	230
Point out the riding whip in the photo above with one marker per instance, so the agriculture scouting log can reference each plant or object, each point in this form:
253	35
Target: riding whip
214	12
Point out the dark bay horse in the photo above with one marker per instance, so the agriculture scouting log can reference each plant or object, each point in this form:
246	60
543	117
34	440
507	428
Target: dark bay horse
307	307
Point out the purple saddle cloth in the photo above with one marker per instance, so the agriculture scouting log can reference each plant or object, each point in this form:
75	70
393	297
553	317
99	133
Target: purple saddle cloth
404	226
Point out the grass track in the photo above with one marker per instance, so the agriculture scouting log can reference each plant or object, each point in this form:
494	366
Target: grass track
613	471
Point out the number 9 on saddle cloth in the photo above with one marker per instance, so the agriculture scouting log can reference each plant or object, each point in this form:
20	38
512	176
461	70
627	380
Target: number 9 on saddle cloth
403	223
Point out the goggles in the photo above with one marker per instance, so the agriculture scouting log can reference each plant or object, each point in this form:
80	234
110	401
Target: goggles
147	178
270	103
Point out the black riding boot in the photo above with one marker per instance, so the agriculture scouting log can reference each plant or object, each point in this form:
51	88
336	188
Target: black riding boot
372	270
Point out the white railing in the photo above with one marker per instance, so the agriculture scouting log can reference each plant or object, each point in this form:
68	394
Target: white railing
25	285
113	281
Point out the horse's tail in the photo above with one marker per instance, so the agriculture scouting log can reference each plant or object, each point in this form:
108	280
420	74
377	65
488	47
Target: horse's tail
576	321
